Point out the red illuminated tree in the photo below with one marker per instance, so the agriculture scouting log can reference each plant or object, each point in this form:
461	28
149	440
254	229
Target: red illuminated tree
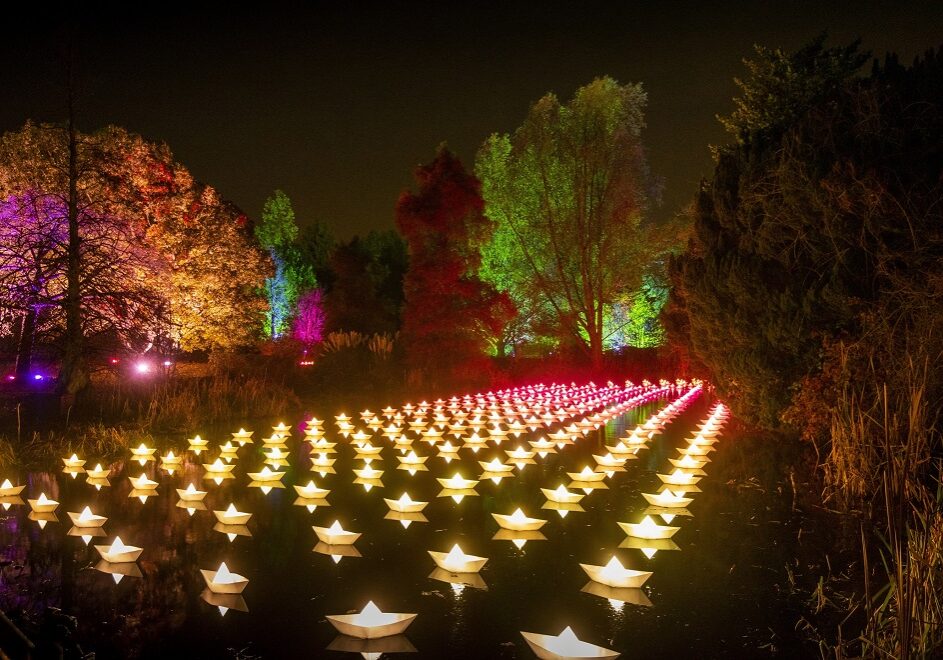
449	312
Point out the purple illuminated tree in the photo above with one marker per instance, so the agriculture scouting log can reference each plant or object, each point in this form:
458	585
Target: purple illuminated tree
309	318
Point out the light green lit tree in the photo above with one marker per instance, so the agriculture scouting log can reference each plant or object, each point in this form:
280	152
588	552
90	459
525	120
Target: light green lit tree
570	192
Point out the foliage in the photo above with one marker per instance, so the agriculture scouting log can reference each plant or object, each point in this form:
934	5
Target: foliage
294	273
782	86
824	239
449	310
308	327
570	193
158	251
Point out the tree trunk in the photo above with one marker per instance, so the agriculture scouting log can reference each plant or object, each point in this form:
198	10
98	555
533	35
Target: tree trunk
72	377
24	347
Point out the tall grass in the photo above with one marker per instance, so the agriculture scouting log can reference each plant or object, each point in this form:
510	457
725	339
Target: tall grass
884	454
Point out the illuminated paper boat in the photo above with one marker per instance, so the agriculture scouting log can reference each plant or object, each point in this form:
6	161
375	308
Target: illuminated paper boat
518	521
368	450
191	494
224	581
323	446
218	467
232	531
369	472
231	516
561	495
98	472
494	466
456	561
648	529
118	552
457	482
241	436
566	645
276	457
543	446
142	453
611	462
412	459
73	462
281	429
405	504
696	450
371	622
617	596
266	475
335	534
459	579
322	461
520	454
586	475
119	570
43	504
667	499
143	483
224	602
171	462
86	518
678	478
311	491
371	649
9	490
614	574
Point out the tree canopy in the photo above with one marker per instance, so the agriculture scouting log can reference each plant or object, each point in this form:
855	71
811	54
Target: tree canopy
449	311
162	259
570	192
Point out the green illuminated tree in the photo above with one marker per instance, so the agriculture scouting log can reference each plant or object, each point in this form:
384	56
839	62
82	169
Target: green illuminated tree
294	273
570	192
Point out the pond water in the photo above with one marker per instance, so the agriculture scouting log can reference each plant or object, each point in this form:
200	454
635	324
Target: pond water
716	594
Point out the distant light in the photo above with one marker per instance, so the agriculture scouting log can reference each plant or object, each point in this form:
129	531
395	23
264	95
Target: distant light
37	376
142	367
167	363
114	360
11	377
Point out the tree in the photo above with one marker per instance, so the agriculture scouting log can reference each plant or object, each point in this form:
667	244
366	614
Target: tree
449	310
570	191
308	327
277	233
162	260
816	243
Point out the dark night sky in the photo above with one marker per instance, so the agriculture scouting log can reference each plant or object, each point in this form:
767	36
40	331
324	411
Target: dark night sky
337	104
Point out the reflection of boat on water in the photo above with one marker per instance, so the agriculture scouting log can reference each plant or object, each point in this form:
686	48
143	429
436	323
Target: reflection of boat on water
372	648
460	579
224	602
632	596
